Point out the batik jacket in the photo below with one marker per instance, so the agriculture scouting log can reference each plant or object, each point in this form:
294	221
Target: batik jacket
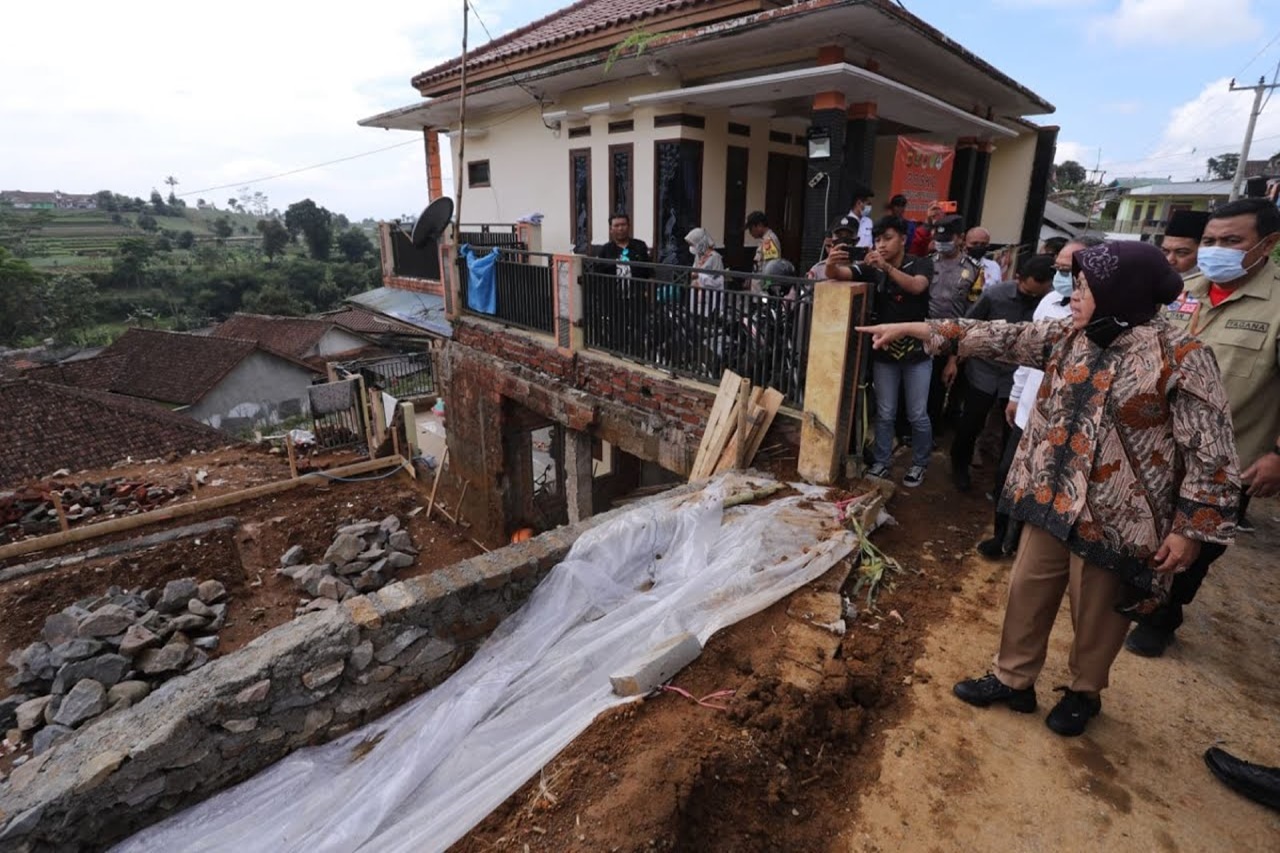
1126	443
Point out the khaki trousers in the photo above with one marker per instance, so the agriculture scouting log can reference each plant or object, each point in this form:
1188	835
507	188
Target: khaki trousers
1044	569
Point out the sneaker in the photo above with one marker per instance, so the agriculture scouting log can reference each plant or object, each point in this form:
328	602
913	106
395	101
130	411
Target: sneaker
988	690
1244	525
992	549
914	477
1071	716
879	471
1148	640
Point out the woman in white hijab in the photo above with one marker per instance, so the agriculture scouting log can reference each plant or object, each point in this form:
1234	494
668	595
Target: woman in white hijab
707	262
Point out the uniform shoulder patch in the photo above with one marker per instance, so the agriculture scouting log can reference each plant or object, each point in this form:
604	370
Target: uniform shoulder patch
1249	325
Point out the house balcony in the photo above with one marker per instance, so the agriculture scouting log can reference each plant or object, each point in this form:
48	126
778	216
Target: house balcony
406	267
657	317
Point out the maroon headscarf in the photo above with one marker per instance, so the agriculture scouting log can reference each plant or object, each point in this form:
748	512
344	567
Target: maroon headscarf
1130	280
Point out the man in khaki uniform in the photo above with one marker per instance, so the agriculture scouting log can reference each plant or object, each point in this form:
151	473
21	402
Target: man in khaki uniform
1235	309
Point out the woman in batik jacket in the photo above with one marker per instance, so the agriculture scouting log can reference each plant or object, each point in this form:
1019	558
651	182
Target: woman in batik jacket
1128	464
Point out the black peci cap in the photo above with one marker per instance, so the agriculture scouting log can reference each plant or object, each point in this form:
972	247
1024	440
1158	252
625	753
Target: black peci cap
1187	223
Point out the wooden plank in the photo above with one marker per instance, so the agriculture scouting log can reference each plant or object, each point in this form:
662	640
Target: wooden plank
770	401
435	484
719	413
719	440
744	413
115	525
63	525
729	458
293	455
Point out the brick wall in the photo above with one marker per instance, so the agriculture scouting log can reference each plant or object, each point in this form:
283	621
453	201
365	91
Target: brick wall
418	285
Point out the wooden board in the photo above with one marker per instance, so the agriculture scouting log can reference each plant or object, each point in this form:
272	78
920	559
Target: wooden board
720	425
129	522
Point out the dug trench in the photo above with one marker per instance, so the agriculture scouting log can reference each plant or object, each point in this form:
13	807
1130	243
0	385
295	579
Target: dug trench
780	764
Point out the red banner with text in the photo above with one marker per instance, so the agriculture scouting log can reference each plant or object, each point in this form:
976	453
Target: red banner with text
922	173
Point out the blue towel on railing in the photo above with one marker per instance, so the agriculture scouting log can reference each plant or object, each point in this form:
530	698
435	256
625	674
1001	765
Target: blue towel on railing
482	280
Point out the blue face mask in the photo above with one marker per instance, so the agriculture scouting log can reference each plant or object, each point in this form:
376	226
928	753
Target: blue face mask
1220	264
1062	283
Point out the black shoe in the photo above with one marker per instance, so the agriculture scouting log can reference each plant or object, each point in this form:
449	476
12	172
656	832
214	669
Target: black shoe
1258	783
992	549
1244	525
988	690
961	480
1148	641
1071	716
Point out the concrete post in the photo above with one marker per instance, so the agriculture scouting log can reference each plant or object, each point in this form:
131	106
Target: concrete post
832	380
578	475
859	150
962	179
454	292
387	250
566	282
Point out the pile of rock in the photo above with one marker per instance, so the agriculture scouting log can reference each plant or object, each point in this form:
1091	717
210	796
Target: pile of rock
108	652
30	511
364	557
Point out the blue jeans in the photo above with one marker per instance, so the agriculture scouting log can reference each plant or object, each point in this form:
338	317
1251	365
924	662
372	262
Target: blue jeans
914	379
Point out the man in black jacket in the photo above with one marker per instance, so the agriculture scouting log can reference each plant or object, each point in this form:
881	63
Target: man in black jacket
626	309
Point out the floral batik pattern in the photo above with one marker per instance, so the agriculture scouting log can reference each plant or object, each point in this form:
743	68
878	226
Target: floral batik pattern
1126	443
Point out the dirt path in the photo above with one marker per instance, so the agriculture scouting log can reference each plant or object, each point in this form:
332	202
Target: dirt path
954	777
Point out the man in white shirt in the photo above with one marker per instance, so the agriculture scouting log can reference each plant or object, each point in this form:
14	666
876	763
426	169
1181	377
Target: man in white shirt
1055	305
858	211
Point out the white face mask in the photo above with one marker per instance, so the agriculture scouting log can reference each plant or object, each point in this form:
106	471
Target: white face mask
947	248
1062	283
1221	265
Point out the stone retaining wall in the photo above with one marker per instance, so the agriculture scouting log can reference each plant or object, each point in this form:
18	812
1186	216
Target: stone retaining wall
308	681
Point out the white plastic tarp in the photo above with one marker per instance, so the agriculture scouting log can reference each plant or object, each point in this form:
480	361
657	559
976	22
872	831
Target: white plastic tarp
445	760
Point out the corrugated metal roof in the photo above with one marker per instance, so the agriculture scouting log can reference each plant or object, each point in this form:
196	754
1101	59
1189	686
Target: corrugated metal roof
424	310
1185	188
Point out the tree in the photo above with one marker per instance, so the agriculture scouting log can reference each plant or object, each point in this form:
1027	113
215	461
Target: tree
172	182
1222	168
130	264
1071	174
354	245
19	284
185	240
201	204
341	222
275	237
277	300
69	302
314	223
105	200
158	205
147	222
233	204
222	229
163	244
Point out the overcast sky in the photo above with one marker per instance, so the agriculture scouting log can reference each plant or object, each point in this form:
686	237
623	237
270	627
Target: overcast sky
119	95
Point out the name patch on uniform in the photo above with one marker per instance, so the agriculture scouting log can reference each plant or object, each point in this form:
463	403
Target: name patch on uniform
1249	325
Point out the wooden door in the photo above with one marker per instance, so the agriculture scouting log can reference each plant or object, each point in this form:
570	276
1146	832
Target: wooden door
784	202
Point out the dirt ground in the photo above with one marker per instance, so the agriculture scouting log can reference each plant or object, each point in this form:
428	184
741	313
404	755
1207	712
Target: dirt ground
244	560
881	757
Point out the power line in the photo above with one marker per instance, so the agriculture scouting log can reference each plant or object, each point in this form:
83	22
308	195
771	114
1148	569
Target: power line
302	169
1263	88
514	79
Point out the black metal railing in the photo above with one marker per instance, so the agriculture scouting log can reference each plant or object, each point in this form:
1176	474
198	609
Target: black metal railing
699	325
341	427
522	289
403	376
490	234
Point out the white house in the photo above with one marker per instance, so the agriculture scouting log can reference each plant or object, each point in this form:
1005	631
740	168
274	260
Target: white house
695	112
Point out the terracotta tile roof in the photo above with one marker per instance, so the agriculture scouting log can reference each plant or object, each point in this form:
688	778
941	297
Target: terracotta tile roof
369	323
572	22
295	336
47	427
169	367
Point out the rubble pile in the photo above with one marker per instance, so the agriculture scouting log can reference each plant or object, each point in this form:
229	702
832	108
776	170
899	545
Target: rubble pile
363	557
30	511
106	653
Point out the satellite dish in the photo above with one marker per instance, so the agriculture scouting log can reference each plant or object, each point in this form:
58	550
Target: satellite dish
432	222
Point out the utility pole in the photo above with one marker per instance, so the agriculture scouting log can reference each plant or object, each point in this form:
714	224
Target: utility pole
1098	174
1258	91
460	173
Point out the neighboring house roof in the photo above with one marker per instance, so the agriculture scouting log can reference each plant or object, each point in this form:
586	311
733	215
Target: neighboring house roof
50	426
169	367
367	322
1176	188
572	22
1130	183
1064	219
20	196
295	336
423	310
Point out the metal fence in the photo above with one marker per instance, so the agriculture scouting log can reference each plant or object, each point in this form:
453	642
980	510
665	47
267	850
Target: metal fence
337	412
403	376
490	234
699	325
522	289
